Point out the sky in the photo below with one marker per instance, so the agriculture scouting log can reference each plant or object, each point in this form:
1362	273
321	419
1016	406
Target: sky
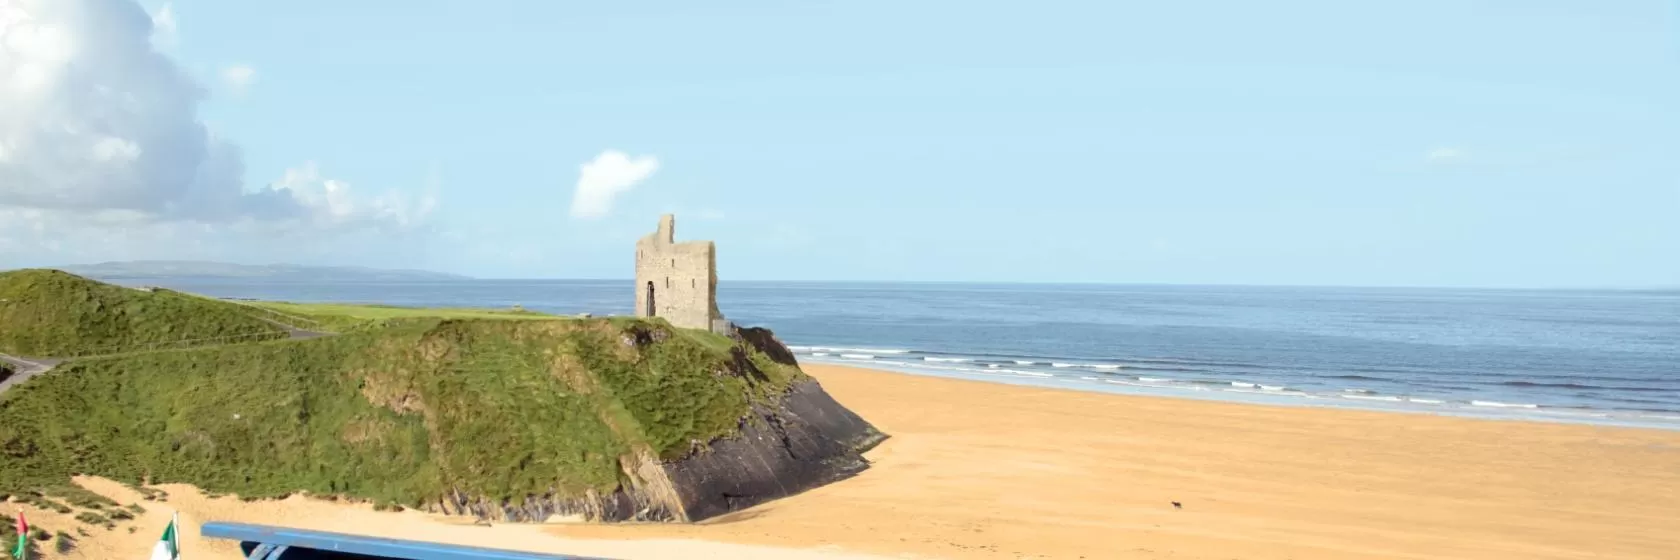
1527	143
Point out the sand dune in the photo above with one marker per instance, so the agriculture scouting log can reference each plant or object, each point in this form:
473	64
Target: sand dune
979	470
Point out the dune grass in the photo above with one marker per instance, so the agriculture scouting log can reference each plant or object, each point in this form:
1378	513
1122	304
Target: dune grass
399	414
57	314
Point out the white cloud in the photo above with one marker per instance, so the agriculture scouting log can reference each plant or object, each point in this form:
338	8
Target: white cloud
239	77
164	32
601	180
100	130
331	203
1445	155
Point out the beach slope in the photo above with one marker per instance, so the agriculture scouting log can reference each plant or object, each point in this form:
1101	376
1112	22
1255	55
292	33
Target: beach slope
982	470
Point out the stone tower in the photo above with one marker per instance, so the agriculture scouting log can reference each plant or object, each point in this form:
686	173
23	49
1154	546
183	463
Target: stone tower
678	281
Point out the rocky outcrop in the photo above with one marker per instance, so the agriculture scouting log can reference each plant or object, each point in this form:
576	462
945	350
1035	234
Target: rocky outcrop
809	441
803	441
766	342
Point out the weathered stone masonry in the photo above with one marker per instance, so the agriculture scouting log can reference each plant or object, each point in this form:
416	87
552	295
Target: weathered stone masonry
677	281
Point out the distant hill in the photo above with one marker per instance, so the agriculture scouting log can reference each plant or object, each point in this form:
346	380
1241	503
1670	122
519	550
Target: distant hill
205	269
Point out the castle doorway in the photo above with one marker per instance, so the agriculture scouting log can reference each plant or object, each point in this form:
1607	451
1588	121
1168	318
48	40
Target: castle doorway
650	306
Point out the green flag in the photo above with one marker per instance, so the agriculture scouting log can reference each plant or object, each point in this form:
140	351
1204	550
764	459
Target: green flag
169	546
22	546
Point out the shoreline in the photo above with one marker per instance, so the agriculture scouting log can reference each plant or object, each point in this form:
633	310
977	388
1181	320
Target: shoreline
1106	380
990	471
977	470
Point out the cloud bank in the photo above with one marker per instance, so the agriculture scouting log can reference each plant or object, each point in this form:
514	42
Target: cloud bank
164	27
98	126
604	178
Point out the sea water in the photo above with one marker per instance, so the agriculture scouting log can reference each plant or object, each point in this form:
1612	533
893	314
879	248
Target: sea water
1606	357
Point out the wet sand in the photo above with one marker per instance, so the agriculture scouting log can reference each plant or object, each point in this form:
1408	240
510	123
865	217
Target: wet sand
981	470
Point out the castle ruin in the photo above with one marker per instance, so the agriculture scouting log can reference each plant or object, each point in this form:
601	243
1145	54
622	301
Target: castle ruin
678	281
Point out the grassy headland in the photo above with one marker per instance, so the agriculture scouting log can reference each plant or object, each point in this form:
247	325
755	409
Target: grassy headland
404	407
57	314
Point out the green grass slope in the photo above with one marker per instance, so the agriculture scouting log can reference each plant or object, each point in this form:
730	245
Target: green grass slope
340	317
404	414
55	313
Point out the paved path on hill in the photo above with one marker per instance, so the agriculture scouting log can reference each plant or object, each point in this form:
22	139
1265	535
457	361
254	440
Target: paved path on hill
295	333
23	369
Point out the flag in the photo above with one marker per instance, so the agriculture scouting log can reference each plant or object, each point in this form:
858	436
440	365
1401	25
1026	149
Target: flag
22	546
169	546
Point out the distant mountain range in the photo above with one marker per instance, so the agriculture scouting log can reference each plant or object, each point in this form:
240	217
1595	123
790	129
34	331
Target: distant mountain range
205	269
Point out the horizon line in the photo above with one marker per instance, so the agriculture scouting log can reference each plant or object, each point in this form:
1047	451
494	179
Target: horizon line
467	277
1122	283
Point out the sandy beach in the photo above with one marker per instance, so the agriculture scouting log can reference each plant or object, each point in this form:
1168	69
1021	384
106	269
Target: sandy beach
982	471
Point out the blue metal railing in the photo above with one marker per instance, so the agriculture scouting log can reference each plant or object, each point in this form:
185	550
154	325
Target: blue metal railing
260	542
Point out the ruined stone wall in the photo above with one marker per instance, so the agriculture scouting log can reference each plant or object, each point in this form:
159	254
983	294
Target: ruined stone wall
677	281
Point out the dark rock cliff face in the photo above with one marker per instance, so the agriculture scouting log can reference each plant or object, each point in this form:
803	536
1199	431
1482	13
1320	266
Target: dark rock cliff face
809	441
805	440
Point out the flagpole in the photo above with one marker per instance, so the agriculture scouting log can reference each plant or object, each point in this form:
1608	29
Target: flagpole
21	544
175	528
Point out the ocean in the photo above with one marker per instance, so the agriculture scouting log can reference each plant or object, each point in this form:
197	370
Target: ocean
1602	357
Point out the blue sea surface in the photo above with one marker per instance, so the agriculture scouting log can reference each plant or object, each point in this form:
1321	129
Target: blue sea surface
1606	357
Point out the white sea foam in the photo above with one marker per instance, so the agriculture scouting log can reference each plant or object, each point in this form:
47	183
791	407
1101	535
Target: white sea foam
1061	365
846	350
1106	366
1385	398
1424	401
1243	385
858	356
993	365
1024	362
819	354
1273	388
1154	379
952	360
1583	413
1088	378
1498	404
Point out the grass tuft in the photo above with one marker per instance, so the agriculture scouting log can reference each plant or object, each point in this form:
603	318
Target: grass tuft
92	518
